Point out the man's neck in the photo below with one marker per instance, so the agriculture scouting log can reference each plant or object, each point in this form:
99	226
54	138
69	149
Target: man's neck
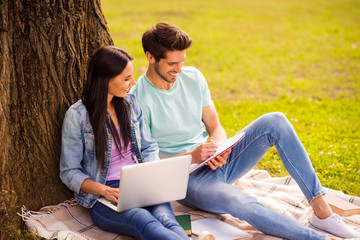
157	81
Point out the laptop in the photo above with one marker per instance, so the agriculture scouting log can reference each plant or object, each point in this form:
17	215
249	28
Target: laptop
152	183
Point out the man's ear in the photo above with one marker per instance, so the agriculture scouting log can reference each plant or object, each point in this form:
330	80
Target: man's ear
150	57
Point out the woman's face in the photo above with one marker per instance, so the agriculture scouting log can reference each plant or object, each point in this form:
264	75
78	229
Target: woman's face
120	85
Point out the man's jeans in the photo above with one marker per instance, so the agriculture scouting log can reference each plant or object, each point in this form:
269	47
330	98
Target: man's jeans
212	190
155	222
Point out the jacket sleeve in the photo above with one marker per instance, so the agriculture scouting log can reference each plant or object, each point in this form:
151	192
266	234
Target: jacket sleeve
149	147
72	152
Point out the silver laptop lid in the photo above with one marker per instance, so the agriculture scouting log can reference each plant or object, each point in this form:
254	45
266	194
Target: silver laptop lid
154	182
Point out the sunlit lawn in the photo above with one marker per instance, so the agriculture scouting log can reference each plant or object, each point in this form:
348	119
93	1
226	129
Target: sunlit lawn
298	57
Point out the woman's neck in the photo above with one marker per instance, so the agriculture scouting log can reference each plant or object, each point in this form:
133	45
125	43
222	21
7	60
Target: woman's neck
111	111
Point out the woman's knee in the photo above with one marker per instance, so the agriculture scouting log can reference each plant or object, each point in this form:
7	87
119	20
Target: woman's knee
154	230
166	218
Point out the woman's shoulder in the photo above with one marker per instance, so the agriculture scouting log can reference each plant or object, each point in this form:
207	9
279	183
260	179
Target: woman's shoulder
77	108
131	99
77	116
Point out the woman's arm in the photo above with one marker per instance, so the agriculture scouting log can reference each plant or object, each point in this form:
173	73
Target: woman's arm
72	147
93	187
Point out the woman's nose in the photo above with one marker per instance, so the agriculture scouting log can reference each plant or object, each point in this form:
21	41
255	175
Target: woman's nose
133	82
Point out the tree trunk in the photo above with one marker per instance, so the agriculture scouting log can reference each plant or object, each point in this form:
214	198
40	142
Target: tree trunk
45	47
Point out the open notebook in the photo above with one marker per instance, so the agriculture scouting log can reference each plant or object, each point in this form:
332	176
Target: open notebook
220	230
222	147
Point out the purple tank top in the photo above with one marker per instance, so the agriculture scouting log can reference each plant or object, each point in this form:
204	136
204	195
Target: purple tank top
119	160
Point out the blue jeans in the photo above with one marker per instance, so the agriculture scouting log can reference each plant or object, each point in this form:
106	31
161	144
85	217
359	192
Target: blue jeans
154	222
212	190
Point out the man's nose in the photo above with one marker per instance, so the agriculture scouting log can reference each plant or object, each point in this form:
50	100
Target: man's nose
178	67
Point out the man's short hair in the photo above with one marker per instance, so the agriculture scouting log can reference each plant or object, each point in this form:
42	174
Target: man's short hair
164	37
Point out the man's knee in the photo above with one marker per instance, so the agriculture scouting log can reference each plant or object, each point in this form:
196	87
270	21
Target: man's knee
277	123
276	117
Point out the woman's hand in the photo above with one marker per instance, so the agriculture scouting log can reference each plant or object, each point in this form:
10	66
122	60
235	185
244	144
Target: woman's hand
204	151
110	193
96	188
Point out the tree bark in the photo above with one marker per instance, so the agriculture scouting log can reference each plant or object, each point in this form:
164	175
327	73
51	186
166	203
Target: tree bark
45	47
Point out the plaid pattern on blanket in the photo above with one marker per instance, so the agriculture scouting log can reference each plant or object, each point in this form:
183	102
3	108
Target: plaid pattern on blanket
69	220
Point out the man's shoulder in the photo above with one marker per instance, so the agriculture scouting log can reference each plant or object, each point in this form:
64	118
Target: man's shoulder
140	93
141	78
192	76
191	73
139	85
190	70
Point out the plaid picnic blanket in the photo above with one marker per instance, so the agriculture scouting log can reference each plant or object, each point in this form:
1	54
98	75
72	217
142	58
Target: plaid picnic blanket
69	220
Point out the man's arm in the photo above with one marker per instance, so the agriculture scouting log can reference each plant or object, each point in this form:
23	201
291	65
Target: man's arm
216	133
212	123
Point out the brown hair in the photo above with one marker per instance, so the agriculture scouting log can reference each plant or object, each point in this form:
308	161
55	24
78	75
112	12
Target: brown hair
164	37
107	63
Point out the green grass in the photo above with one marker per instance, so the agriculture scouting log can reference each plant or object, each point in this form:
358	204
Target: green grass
334	152
299	57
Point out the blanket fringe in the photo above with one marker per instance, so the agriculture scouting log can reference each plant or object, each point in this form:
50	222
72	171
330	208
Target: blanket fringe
45	211
27	214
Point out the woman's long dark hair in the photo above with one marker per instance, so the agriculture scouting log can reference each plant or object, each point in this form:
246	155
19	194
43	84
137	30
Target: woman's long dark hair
107	63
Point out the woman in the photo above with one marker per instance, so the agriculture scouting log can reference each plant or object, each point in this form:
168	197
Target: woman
103	132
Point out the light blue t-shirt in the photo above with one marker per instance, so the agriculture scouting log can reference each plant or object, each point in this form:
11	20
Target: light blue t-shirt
174	116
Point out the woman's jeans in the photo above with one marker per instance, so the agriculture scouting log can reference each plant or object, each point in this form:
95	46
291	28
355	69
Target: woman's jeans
154	222
212	190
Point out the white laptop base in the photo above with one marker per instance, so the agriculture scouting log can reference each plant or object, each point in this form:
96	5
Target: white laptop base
151	183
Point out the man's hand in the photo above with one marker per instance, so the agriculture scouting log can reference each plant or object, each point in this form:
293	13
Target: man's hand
204	151
219	160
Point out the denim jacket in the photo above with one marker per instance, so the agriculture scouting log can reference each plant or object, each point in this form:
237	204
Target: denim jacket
78	159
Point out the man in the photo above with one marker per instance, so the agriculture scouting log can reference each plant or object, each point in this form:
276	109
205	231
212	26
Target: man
179	112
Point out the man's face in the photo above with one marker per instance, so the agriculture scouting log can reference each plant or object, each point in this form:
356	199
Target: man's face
168	68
